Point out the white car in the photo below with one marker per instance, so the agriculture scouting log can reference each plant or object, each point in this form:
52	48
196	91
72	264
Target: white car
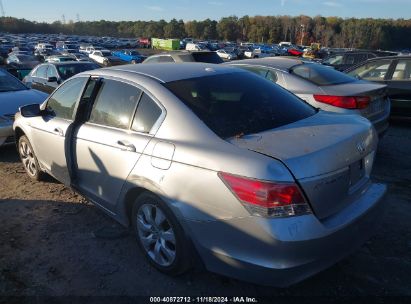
105	58
226	55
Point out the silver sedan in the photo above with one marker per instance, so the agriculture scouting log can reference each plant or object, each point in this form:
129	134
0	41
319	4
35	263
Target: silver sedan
248	178
325	88
13	94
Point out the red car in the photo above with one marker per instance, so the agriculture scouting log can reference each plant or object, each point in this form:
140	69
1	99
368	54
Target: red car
295	52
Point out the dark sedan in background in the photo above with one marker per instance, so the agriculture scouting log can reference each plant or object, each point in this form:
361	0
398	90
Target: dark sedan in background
395	72
46	77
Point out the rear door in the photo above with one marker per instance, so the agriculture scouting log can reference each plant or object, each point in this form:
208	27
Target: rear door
110	141
399	87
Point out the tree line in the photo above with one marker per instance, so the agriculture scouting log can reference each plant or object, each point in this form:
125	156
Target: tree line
366	33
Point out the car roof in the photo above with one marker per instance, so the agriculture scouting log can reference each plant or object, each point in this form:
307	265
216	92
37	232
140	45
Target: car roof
391	57
167	72
280	63
68	62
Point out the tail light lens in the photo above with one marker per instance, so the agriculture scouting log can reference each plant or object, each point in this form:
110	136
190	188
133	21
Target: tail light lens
267	199
346	102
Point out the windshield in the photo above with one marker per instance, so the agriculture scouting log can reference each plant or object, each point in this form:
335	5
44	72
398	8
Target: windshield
321	75
106	54
26	58
208	57
67	70
237	104
9	83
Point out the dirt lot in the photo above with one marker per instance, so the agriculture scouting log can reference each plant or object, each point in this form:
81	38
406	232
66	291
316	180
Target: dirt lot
52	242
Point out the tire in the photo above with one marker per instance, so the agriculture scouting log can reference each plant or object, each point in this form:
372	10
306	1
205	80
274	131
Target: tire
29	159
159	235
133	61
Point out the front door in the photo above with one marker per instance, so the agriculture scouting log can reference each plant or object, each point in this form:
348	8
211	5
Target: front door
49	132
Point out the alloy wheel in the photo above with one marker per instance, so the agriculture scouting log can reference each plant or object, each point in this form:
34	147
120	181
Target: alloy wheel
156	234
27	158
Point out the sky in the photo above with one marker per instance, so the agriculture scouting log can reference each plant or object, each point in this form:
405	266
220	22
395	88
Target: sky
131	10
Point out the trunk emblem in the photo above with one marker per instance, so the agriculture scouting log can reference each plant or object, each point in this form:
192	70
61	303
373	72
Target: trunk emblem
361	147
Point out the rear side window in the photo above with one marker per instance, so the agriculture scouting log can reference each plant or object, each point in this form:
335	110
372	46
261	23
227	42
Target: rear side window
61	103
402	70
239	103
115	104
374	70
270	75
321	75
163	59
148	112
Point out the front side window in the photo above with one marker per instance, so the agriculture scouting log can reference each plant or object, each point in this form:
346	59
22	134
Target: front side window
61	104
148	112
114	105
374	70
41	72
239	103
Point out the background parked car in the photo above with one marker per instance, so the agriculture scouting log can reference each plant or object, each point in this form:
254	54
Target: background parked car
13	94
130	56
344	60
184	56
325	88
226	54
47	76
22	60
393	71
105	58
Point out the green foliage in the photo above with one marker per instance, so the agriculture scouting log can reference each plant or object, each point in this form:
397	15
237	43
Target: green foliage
329	31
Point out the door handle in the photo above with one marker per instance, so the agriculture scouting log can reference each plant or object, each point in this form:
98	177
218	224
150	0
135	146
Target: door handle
58	131
126	146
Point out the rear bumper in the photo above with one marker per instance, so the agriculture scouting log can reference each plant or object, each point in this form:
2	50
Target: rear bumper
280	252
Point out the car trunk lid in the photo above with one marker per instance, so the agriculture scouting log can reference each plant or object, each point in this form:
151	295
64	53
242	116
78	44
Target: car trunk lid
376	92
330	156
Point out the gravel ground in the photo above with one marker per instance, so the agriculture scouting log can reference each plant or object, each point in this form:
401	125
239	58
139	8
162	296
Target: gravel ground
54	243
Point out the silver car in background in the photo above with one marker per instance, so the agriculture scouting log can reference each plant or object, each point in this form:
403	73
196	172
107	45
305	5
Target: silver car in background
255	182
13	94
325	88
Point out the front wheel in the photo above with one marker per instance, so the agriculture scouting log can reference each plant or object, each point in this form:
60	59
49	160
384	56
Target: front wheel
159	235
29	159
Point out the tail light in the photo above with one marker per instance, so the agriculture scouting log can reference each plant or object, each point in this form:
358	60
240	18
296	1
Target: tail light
346	102
267	199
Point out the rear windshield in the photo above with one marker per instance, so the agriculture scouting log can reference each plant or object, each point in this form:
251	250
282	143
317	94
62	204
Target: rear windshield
207	57
238	104
320	74
68	70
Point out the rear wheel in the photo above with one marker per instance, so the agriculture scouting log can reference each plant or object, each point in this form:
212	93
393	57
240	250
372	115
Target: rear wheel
159	235
29	159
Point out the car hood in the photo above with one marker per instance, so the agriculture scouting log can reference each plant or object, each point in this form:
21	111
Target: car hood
11	101
320	144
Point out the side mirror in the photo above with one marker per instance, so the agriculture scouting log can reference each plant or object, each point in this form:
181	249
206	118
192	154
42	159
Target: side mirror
52	79
31	110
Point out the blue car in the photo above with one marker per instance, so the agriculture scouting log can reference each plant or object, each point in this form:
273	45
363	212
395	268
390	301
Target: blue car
131	56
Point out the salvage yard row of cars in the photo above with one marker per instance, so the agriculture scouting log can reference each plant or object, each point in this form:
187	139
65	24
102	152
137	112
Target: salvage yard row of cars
287	147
